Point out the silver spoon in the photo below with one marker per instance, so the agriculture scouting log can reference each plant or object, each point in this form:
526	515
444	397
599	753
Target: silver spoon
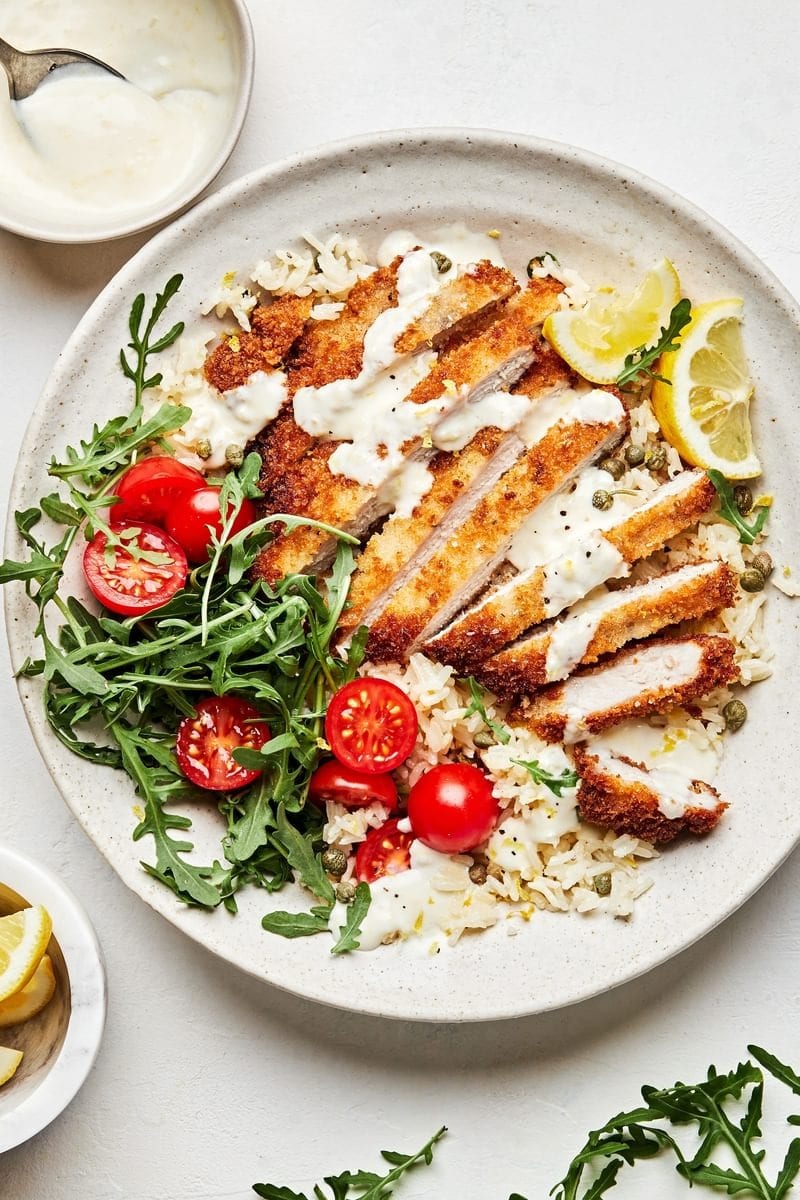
27	68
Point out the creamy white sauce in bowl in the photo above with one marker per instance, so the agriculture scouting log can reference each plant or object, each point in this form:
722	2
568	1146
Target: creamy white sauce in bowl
88	156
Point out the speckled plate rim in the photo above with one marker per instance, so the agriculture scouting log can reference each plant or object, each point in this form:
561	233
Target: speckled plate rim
410	1003
87	980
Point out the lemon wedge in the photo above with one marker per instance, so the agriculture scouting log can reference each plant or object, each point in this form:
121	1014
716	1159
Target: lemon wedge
32	998
595	340
704	409
9	1061
23	940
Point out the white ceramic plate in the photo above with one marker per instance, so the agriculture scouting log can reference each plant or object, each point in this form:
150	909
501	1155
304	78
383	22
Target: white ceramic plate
610	223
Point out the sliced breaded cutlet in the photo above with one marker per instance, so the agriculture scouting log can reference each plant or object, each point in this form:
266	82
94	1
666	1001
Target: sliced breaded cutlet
497	356
605	622
649	678
542	591
654	804
274	329
565	432
328	350
460	479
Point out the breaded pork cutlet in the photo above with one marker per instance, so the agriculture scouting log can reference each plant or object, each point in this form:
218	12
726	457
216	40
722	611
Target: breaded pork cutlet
564	434
328	350
274	329
497	356
460	479
649	678
654	804
541	592
605	622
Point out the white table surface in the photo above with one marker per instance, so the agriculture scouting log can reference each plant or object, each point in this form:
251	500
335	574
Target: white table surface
208	1080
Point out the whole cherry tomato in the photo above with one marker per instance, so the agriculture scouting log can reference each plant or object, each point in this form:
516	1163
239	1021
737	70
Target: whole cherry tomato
452	809
196	514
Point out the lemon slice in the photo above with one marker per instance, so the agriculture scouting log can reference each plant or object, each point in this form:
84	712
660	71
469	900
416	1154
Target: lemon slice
9	1061
23	940
32	998
596	339
704	410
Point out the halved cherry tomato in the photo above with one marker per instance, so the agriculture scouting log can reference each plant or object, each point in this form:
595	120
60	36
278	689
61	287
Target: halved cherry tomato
206	741
149	489
130	584
334	781
452	809
195	513
386	851
371	725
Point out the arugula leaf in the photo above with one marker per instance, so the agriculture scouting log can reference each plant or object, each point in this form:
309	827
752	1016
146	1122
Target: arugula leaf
294	925
641	360
301	857
776	1067
350	932
477	704
748	532
367	1184
556	783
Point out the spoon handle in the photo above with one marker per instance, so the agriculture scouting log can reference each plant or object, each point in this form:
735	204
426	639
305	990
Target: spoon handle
10	60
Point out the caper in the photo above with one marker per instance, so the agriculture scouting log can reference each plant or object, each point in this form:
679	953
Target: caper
602	499
751	580
634	455
656	459
763	563
202	448
734	714
602	884
345	892
743	498
234	455
614	466
478	873
334	860
483	739
443	263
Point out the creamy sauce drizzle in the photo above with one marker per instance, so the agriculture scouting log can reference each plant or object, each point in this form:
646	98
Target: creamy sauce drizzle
88	150
673	789
417	902
566	519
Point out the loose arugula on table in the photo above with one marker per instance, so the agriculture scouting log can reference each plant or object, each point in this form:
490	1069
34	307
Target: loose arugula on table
115	690
640	362
725	1109
359	1185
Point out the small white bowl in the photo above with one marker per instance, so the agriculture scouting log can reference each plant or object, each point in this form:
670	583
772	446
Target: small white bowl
60	1044
244	47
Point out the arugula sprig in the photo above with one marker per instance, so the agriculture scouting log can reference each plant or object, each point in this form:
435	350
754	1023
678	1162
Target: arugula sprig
640	361
556	783
748	530
477	704
714	1106
359	1185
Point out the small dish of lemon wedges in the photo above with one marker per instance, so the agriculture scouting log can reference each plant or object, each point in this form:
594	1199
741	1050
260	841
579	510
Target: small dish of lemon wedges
27	978
52	997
